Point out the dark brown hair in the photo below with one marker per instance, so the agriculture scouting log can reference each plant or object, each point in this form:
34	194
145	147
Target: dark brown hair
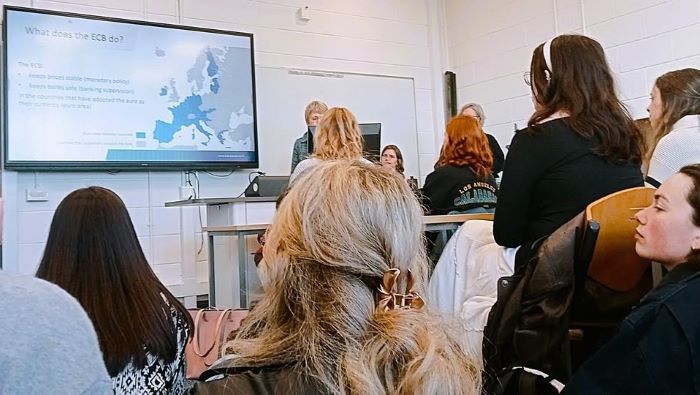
693	197
466	145
581	84
93	253
680	96
399	157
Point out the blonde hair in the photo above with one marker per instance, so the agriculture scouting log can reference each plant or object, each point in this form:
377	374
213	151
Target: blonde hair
315	107
338	136
680	96
342	225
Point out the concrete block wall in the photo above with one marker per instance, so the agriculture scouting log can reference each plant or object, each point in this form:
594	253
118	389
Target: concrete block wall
490	45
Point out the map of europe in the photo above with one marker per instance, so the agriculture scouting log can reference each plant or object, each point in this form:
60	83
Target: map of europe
218	106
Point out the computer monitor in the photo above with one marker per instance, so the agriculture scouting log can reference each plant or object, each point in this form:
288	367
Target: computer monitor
371	139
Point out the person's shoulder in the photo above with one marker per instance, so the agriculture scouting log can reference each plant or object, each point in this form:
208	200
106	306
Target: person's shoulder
546	129
303	139
678	140
49	332
32	289
274	380
684	294
451	170
303	166
672	296
308	162
49	302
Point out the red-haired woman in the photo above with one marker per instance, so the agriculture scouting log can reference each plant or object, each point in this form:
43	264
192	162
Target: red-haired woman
462	180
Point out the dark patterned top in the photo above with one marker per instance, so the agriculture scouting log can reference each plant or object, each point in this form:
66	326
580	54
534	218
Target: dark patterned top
157	376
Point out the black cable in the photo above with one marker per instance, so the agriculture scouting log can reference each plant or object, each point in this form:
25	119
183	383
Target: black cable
219	175
262	173
196	179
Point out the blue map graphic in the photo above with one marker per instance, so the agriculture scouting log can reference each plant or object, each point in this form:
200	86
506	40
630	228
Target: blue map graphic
186	113
219	103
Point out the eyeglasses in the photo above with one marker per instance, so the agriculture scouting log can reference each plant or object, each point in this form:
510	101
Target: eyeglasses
527	77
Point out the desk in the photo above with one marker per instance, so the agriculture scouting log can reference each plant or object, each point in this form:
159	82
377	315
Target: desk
232	211
451	221
430	222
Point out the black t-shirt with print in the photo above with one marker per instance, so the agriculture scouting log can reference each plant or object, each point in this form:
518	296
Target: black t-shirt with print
458	188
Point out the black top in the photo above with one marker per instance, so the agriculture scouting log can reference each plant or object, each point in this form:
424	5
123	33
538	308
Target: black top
270	380
551	174
656	349
498	157
457	188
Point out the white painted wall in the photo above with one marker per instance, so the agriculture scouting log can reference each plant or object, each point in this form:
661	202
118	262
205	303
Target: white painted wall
490	44
386	37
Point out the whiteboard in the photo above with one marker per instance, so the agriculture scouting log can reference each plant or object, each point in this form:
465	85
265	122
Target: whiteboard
282	95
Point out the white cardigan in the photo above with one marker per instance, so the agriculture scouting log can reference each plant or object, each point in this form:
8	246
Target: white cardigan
680	147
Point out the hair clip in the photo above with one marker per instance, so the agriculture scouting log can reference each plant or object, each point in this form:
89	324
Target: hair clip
386	297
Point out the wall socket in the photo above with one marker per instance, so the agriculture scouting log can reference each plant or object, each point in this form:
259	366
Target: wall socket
187	192
36	195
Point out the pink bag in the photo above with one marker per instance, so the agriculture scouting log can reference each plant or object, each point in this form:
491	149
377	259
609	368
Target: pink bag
211	328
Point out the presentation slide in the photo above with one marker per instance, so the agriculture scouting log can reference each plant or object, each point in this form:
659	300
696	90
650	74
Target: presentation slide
81	89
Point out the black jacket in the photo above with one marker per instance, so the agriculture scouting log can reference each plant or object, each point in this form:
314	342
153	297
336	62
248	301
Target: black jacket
458	188
529	322
223	379
657	349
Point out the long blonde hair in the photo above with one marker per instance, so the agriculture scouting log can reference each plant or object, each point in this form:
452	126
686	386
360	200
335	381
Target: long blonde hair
680	96
342	225
338	136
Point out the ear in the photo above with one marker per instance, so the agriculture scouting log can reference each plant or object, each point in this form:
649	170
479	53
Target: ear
695	246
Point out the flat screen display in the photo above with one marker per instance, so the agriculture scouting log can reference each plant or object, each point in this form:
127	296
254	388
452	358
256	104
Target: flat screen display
371	139
92	92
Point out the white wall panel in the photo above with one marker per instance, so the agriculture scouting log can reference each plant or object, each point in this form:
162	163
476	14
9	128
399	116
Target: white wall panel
642	39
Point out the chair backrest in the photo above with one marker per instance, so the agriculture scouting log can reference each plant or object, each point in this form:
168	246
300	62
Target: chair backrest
614	262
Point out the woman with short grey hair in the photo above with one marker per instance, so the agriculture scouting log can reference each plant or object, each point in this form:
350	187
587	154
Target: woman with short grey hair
475	110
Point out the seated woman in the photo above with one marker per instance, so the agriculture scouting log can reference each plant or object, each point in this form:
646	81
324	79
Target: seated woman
655	350
342	310
674	112
392	158
462	180
337	136
93	253
580	145
475	110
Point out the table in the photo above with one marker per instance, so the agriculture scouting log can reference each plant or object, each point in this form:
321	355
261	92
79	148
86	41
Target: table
431	223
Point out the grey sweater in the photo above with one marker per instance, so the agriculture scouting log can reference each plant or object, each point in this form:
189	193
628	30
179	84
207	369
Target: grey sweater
47	342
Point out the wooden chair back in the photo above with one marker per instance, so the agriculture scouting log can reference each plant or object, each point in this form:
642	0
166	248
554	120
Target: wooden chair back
614	262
